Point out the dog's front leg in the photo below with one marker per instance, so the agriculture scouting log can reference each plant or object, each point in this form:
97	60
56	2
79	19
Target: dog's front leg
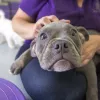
90	72
21	62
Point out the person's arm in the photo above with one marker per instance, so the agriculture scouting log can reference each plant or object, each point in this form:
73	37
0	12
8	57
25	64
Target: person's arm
23	24
97	38
98	51
89	48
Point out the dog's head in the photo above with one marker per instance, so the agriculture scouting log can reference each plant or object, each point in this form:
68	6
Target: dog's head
58	46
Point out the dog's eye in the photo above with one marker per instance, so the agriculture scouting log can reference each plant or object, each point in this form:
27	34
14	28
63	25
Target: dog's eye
73	32
43	36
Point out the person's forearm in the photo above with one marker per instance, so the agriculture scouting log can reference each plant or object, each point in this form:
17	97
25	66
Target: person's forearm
97	34
97	39
23	28
98	51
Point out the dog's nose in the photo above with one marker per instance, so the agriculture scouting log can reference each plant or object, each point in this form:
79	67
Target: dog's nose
61	46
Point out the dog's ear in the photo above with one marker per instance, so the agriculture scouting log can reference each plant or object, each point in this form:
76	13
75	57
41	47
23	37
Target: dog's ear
83	32
32	48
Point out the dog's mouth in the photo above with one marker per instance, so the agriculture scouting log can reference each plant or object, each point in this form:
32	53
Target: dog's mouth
61	66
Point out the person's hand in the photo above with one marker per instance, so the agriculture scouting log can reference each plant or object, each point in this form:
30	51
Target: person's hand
44	21
90	48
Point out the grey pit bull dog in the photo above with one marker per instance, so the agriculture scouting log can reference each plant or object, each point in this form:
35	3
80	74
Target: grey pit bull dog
58	48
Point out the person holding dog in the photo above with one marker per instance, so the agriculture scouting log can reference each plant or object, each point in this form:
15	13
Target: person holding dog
34	14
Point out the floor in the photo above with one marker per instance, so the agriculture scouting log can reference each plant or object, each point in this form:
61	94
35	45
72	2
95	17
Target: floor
7	56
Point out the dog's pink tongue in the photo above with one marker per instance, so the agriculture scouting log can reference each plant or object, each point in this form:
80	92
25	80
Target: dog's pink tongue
62	65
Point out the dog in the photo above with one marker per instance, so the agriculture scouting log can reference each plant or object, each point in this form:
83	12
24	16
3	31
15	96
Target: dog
2	39
7	34
58	48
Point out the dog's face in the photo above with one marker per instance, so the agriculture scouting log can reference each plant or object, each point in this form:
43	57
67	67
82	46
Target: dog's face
58	46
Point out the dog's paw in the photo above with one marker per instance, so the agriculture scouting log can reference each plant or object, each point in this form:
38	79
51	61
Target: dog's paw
15	69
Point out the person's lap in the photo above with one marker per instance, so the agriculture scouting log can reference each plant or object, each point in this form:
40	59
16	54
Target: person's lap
44	85
98	79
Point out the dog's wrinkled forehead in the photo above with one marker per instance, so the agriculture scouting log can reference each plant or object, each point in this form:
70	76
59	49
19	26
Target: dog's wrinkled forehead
57	27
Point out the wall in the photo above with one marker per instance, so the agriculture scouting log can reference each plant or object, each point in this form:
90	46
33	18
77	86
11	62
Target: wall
9	8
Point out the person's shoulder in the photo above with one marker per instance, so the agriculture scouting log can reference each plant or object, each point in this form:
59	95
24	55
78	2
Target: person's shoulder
32	2
32	7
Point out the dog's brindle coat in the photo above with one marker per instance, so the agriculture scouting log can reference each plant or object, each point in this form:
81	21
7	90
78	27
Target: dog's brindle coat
58	48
